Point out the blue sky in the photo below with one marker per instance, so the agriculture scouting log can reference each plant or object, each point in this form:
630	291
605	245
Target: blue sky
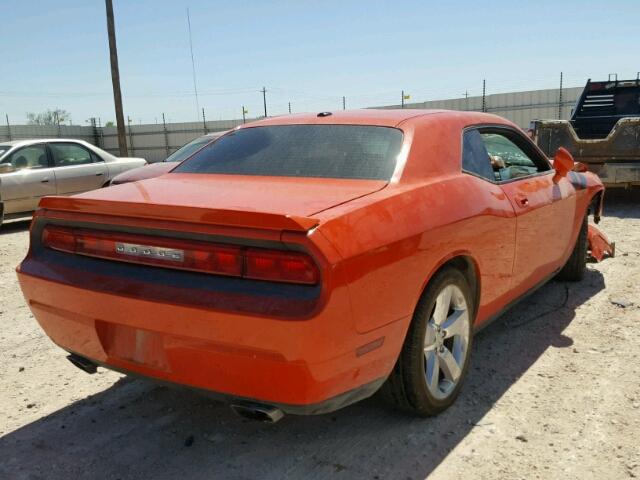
309	53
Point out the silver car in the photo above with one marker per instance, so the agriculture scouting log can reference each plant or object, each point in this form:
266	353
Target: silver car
160	168
32	169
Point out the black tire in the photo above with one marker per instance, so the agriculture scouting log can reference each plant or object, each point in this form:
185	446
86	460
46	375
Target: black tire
406	387
574	269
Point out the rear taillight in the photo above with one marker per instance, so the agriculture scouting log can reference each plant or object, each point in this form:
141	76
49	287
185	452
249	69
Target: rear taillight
254	263
292	267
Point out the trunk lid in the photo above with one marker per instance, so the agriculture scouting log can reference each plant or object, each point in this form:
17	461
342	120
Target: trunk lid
280	203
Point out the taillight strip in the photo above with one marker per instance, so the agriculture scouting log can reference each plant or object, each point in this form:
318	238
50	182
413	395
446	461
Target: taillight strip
181	254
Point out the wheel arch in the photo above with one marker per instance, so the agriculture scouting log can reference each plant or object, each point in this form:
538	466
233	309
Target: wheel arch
595	205
468	266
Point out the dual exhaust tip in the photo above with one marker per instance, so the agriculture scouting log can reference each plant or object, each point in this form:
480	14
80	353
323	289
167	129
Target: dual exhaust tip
250	410
258	412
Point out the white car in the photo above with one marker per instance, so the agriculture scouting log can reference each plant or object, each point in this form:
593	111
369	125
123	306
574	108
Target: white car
32	169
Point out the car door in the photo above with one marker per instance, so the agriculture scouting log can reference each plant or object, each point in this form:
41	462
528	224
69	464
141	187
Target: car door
31	179
494	234
76	168
545	207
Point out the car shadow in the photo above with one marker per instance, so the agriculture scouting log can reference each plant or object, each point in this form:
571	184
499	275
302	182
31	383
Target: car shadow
138	429
14	226
622	203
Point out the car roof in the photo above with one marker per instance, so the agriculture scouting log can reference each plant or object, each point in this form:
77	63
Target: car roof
29	141
379	117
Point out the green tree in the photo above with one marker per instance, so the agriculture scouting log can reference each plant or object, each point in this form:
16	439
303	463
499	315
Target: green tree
49	117
109	124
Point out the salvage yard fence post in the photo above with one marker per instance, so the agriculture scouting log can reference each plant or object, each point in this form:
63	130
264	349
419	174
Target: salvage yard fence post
130	135
166	135
560	99
484	95
8	127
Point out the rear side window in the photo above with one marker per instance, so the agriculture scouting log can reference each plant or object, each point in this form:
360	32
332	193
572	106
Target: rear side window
327	151
69	154
475	158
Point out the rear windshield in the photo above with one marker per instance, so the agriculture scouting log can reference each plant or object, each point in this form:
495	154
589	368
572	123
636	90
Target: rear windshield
329	151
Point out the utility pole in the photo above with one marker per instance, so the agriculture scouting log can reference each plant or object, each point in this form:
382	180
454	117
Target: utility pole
204	122
402	102
289	108
264	100
115	80
560	99
344	103
466	100
484	91
244	112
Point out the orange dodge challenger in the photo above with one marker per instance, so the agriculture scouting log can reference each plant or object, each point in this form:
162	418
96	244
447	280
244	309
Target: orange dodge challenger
299	264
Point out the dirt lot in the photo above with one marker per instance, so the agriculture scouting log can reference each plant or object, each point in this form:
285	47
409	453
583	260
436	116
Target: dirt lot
554	392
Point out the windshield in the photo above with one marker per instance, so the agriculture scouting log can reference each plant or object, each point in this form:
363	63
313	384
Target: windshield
326	151
187	150
4	149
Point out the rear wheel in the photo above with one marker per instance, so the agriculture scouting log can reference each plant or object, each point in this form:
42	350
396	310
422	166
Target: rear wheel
575	267
428	374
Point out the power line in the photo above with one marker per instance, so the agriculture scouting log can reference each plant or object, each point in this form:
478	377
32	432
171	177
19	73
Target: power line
193	65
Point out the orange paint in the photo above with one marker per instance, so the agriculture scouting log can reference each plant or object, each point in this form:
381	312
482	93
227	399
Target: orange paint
376	245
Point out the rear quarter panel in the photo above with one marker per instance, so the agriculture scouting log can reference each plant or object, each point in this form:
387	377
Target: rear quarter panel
393	243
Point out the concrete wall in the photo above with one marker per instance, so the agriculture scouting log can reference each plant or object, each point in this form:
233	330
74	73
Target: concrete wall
23	132
154	144
519	107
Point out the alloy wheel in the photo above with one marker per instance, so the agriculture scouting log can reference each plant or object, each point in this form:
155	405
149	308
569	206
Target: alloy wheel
446	342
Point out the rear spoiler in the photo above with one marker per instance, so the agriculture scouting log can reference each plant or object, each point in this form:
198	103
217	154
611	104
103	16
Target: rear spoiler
177	213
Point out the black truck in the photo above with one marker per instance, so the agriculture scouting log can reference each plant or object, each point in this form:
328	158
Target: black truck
603	132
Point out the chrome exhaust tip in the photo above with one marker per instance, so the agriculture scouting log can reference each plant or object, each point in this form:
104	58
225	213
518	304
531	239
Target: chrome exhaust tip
83	364
258	412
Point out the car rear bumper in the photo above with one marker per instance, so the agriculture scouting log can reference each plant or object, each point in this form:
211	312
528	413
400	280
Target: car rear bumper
305	366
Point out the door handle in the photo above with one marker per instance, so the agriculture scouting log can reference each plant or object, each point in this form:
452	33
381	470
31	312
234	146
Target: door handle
99	174
44	180
522	201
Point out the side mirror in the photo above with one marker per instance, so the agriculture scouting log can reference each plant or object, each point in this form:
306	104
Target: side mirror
562	163
580	167
6	168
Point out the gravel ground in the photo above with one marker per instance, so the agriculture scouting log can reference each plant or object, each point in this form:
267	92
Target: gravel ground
553	392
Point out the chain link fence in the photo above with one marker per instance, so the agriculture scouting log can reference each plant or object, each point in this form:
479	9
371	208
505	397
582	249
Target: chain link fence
155	142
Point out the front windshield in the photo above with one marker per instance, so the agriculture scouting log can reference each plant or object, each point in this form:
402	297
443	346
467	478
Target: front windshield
189	149
4	149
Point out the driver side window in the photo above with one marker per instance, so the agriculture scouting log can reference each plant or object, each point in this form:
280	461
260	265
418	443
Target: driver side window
507	159
494	156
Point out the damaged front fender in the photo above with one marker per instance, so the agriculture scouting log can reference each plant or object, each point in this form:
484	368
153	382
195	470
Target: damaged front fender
599	246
